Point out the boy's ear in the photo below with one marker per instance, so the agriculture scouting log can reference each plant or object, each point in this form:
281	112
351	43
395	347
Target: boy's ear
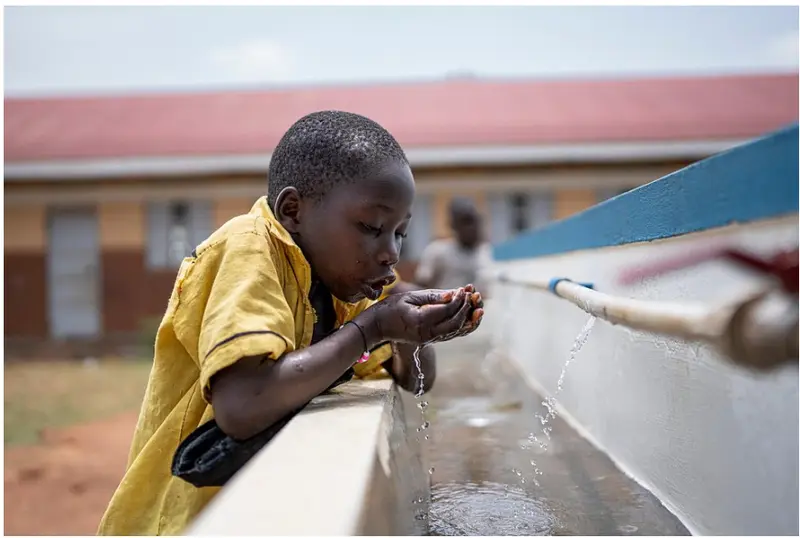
287	209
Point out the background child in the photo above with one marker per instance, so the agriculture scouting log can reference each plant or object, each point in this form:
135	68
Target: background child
460	259
272	309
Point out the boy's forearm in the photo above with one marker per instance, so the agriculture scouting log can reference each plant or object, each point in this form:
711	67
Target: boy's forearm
256	392
402	368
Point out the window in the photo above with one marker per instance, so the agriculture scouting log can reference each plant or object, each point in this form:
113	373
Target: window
174	229
519	213
178	233
514	213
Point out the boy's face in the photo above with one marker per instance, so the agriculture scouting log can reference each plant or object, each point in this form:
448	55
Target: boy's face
352	236
466	225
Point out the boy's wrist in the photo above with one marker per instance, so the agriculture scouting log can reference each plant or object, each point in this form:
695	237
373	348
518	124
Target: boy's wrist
369	324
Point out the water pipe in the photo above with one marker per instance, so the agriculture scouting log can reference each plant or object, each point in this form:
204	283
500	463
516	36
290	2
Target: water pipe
759	332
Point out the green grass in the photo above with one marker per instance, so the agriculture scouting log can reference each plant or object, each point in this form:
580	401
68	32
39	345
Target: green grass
41	394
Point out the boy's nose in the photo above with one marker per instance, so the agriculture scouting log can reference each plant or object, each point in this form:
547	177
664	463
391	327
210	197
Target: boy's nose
390	254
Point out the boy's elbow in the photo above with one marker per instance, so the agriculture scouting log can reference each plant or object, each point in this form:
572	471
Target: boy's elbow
234	395
231	417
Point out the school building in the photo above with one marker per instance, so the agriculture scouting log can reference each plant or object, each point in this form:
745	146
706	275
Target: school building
105	195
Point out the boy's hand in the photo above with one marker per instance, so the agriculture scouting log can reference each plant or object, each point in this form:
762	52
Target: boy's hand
474	315
419	317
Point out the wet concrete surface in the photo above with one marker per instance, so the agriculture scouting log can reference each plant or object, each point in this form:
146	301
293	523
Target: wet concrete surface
482	413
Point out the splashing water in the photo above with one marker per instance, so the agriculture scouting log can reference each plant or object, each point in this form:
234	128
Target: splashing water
420	390
422	405
550	402
421	377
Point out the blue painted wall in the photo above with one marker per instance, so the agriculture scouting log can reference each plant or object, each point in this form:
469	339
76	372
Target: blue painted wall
754	181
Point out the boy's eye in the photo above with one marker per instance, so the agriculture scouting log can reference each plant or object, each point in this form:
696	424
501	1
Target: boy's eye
377	231
369	229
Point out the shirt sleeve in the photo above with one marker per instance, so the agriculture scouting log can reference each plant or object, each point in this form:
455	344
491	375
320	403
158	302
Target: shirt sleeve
428	260
232	306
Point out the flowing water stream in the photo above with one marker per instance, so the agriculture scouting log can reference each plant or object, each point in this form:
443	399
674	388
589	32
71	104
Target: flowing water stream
485	423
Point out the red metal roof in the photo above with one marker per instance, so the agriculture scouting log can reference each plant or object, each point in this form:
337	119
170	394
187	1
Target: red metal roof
447	113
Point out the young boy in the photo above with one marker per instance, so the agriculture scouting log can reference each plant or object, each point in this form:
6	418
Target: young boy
272	310
456	261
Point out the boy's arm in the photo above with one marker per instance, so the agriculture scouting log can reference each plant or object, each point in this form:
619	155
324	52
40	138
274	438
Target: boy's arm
233	316
256	392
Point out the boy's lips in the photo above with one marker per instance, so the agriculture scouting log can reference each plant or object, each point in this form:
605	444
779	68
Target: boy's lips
371	292
372	289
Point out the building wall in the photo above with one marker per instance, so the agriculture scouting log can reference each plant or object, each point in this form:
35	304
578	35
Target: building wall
568	202
133	289
227	208
124	283
25	283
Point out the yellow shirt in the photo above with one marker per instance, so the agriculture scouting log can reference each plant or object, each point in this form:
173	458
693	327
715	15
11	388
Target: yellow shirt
243	293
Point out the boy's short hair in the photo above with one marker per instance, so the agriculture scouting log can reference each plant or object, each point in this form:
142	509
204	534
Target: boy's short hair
326	148
461	204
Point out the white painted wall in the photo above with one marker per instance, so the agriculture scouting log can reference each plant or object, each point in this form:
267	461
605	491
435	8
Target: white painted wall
717	444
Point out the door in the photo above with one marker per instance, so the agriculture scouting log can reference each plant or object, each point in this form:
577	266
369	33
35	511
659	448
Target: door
73	274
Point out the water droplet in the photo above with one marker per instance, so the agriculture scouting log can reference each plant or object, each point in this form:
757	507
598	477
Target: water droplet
419	500
427	437
422	405
418	395
430	471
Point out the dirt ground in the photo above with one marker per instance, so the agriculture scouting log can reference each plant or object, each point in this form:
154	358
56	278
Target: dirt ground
62	485
67	430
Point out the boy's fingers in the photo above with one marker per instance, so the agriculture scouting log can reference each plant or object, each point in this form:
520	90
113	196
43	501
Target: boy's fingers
434	314
456	321
430	297
472	323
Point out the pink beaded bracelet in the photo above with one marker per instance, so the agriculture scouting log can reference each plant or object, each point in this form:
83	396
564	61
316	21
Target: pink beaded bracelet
364	356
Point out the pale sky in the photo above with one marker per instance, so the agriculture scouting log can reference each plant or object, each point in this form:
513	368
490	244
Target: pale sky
69	50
